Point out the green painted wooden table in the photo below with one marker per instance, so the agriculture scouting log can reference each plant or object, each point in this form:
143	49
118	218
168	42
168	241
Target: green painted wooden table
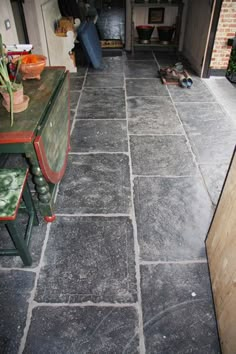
41	133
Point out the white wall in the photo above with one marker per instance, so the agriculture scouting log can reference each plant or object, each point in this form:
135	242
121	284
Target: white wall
40	18
8	36
35	27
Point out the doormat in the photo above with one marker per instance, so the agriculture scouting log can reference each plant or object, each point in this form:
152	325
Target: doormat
111	43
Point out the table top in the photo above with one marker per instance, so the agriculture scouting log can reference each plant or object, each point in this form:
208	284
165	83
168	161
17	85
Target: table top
26	124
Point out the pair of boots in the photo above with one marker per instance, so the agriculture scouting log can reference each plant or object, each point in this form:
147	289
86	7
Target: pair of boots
177	73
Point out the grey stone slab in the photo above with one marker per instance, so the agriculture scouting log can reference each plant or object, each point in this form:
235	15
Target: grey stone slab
105	80
88	259
209	127
214	176
95	184
178	309
112	65
36	243
74	98
145	87
81	71
140	55
141	69
214	147
153	115
103	103
82	330
190	112
173	216
166	155
76	83
199	92
99	135
15	290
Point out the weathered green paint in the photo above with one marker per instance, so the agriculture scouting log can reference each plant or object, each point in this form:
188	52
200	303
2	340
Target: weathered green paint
54	133
48	103
11	187
41	93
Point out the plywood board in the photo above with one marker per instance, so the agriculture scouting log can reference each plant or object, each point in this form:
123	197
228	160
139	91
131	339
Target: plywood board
221	251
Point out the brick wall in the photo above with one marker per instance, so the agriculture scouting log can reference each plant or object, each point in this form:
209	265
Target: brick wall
226	29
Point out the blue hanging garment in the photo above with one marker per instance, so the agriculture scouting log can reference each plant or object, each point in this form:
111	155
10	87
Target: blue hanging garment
88	37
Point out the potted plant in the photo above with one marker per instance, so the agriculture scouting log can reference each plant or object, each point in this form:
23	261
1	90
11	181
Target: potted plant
231	71
13	98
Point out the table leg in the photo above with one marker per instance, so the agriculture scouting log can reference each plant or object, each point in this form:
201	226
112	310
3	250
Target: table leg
42	188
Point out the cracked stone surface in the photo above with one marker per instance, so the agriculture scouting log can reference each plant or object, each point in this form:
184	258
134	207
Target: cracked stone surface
81	330
177	309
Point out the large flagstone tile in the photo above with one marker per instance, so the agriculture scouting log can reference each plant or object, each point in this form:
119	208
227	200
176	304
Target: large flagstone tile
173	216
177	309
99	135
165	155
103	103
97	184
82	330
88	259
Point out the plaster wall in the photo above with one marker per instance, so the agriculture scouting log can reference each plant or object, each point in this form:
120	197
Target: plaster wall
8	36
40	18
196	32
35	26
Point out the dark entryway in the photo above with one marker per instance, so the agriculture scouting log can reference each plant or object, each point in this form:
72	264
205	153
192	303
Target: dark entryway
111	19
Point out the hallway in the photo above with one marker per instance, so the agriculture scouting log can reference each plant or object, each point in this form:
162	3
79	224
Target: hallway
123	268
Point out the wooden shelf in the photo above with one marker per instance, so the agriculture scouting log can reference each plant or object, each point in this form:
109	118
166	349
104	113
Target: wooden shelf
154	43
151	4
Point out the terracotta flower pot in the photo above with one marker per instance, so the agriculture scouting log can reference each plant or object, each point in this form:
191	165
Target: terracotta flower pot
18	96
32	70
20	101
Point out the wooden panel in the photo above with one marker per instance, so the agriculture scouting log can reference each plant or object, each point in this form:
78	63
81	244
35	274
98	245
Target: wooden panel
52	142
41	93
221	251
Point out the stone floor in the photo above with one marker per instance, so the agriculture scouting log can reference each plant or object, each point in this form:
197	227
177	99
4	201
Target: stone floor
123	269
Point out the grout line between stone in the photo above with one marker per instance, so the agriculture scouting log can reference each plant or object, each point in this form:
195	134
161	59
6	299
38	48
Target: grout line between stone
104	87
102	119
189	144
173	262
95	215
136	245
99	152
163	176
168	134
29	270
84	304
76	109
33	292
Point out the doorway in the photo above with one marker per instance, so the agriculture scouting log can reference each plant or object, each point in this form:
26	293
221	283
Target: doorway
19	17
111	20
